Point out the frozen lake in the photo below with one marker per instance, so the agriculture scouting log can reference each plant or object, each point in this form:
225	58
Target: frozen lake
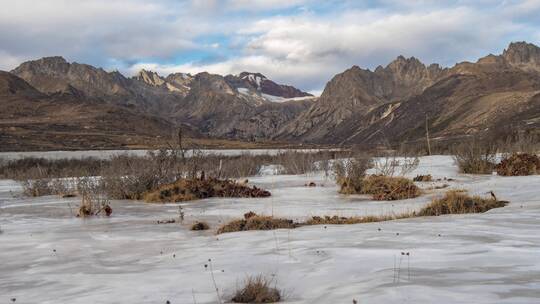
49	256
102	154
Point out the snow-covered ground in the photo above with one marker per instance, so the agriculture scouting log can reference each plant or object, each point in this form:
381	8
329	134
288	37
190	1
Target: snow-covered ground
49	256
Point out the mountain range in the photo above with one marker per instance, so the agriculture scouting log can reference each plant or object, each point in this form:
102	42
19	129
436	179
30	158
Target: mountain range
50	103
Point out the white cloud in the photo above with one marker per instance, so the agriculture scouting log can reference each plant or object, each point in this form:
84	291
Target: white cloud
308	50
263	4
303	47
97	30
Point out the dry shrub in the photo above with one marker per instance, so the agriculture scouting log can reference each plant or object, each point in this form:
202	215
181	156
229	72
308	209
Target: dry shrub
39	168
475	157
294	162
200	226
519	165
128	177
391	165
522	143
37	187
389	188
93	207
253	221
257	290
350	173
190	189
423	178
93	201
44	186
455	202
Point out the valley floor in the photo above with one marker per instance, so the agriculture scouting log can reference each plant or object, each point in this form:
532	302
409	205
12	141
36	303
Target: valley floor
49	256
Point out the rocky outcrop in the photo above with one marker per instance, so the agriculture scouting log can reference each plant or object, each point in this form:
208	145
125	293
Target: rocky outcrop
522	55
355	92
391	103
262	85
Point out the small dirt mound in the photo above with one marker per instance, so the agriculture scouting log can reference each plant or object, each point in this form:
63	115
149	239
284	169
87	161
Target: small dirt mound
459	203
257	290
253	221
192	189
519	165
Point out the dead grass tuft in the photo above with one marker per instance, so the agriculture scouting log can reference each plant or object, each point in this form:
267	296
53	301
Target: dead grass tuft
200	226
257	222
338	220
519	165
389	188
459	203
185	189
257	290
474	157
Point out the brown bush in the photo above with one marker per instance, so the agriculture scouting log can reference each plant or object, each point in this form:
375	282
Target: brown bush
389	188
257	290
256	222
459	203
423	178
475	157
200	226
190	189
93	206
519	165
350	173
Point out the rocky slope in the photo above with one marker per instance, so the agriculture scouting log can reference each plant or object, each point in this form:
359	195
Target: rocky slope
219	109
211	105
355	92
32	120
391	103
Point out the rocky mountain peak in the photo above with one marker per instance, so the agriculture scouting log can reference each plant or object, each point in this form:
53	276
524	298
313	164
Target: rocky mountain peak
523	55
260	84
206	82
45	65
182	81
150	78
255	79
402	66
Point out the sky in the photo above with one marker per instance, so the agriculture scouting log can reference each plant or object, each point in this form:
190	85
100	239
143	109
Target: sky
298	42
